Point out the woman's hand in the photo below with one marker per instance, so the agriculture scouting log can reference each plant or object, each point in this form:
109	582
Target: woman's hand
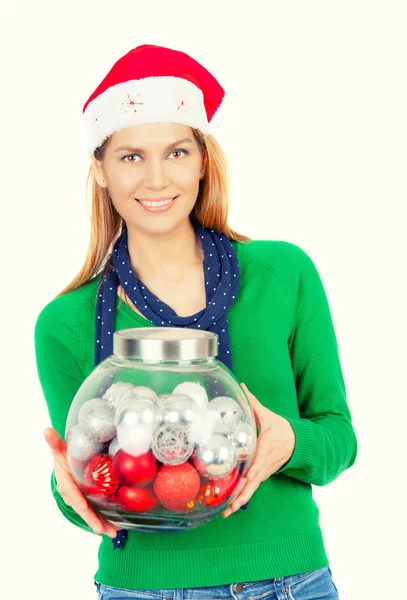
68	489
275	446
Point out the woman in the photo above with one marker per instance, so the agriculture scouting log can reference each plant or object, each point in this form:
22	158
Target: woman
160	204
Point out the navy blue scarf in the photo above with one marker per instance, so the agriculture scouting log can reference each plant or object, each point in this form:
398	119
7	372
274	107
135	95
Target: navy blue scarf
222	277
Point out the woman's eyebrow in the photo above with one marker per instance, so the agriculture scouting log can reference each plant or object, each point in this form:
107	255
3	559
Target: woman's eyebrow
133	149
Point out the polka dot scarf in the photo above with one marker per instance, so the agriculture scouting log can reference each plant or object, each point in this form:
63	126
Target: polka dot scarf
222	276
222	273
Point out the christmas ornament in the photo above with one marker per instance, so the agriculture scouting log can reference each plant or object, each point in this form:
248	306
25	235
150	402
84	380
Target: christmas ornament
228	412
134	440
99	475
97	421
216	491
176	485
203	429
180	410
137	412
134	470
136	499
195	391
88	406
115	391
172	444
114	446
215	457
80	445
243	439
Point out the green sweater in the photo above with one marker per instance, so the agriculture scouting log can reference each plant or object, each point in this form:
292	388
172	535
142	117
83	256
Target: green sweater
284	348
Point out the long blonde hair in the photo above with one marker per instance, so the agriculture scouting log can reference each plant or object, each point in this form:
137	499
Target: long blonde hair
211	209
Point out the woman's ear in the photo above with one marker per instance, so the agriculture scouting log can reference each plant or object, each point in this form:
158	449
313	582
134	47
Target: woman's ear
97	169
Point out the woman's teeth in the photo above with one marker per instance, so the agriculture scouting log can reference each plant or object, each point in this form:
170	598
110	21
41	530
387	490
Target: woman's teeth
163	203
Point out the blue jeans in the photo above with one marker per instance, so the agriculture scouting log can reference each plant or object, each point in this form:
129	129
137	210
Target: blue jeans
304	586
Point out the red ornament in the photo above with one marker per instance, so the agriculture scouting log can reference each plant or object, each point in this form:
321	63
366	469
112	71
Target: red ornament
216	491
134	470
176	486
99	475
135	499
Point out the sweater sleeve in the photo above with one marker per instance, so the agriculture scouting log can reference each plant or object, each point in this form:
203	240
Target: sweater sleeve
60	377
326	443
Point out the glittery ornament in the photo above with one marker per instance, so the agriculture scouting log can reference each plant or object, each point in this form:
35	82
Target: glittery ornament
228	412
113	446
135	499
176	485
100	476
98	422
80	445
180	410
138	412
134	470
215	457
115	391
243	440
89	406
195	391
172	445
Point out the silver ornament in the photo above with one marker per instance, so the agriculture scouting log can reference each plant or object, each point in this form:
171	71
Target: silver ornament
144	392
134	440
131	396
138	412
181	410
228	413
88	406
172	445
98	423
114	446
115	391
80	445
215	457
243	439
195	391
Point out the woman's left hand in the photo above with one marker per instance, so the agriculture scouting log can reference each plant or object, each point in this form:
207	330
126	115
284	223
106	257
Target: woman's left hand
275	446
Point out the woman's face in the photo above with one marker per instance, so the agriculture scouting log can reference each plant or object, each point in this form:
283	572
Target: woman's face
150	162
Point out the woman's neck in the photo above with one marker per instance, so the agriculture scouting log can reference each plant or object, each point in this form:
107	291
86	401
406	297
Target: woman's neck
164	256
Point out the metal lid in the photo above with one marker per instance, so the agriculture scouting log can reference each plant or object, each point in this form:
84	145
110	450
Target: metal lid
165	343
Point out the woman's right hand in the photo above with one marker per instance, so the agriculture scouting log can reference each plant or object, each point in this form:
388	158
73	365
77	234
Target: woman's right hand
69	490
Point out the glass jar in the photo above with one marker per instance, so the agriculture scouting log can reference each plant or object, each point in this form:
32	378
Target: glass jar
160	435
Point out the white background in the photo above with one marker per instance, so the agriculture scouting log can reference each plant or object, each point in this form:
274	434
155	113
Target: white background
314	128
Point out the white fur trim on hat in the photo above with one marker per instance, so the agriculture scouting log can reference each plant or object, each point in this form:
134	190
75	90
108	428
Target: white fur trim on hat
147	100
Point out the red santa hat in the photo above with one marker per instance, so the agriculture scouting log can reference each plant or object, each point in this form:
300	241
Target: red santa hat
151	84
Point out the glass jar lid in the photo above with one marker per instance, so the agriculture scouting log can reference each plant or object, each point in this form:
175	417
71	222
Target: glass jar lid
165	343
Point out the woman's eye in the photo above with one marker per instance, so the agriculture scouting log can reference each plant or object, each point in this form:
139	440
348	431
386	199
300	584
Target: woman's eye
173	152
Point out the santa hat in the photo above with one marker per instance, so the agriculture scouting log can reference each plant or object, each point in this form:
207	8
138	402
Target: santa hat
151	84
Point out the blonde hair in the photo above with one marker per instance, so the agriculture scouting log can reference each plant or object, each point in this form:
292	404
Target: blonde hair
211	210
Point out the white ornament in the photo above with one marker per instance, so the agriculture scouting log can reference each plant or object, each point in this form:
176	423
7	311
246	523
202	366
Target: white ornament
134	440
204	429
195	391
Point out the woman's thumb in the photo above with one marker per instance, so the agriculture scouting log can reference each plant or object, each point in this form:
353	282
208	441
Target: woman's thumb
54	440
